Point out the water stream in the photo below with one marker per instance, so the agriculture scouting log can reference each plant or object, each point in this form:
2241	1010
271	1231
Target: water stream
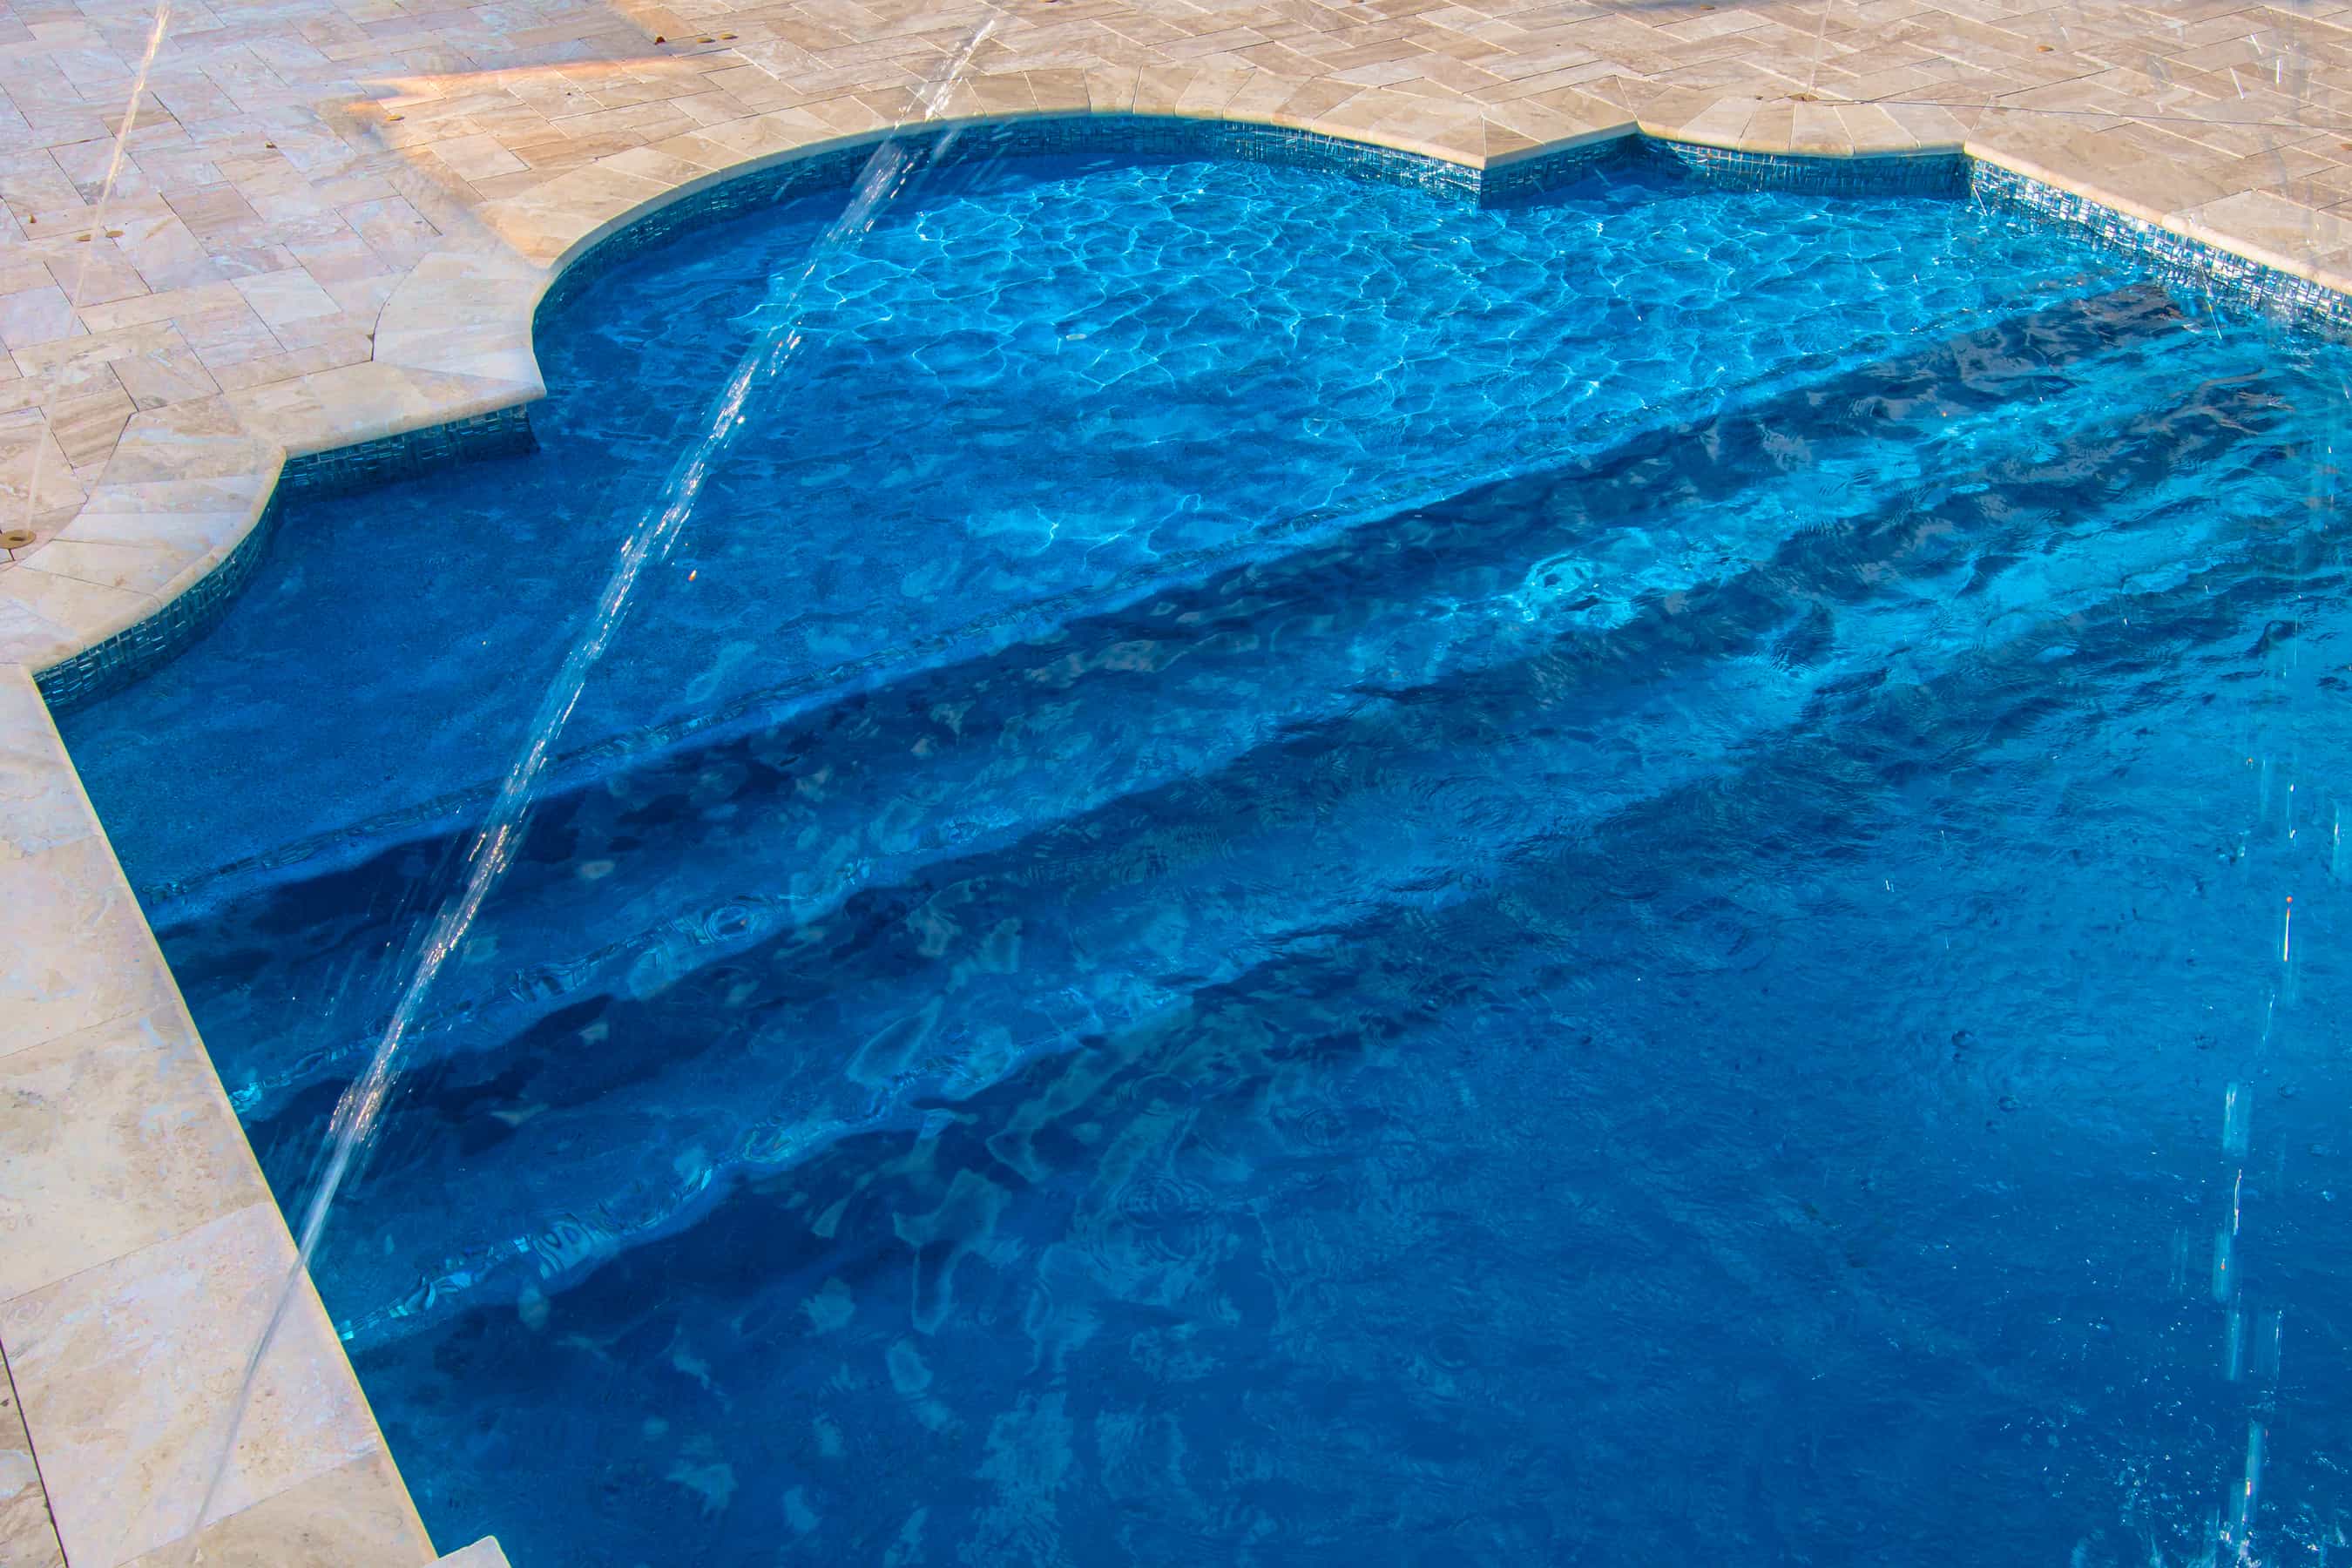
359	1113
2285	806
97	235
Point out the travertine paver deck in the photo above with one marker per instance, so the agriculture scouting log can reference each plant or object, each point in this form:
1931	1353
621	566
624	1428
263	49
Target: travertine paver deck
332	223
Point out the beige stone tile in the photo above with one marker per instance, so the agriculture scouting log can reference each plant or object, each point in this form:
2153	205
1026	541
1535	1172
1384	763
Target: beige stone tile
36	315
87	409
2263	222
392	229
166	252
41	804
178	542
27	638
371	399
28	1538
994	95
483	1553
128	1372
661	168
355	1517
95	959
1817	129
477	156
160	309
1213	90
280	298
858	113
321	342
240	492
196	438
1312	99
1931	124
142	570
96	274
1772	127
1723	124
155	365
212	209
1159	89
227	335
112	1137
35	475
1060	91
29	271
1870	129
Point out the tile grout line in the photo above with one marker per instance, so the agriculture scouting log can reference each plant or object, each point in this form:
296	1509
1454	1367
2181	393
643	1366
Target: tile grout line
130	1012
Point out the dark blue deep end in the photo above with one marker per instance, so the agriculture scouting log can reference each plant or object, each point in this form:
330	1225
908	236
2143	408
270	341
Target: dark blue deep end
1291	873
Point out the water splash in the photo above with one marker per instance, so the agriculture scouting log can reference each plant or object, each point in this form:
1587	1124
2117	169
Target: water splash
360	1112
155	31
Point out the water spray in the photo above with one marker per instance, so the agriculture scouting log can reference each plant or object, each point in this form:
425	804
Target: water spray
22	536
359	1113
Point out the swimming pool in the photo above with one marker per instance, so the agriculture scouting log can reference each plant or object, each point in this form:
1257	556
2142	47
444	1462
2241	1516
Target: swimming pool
1293	873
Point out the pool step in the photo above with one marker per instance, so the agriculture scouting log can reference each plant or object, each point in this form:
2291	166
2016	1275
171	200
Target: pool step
832	1021
688	942
1970	373
1352	988
1581	545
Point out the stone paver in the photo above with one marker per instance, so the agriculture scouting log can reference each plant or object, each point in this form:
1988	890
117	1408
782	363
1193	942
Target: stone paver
331	221
28	1536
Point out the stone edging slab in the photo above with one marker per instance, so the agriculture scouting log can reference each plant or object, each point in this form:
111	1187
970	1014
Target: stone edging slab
140	1250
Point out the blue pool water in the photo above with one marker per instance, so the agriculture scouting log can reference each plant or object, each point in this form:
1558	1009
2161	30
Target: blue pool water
1290	874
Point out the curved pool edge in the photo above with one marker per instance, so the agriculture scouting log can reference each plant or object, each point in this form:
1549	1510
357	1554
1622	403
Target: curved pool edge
188	494
137	1220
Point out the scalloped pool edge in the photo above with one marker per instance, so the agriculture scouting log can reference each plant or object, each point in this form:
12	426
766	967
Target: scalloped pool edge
116	654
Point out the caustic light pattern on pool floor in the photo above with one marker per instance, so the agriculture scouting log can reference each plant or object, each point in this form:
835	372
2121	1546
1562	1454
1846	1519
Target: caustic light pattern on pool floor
1293	874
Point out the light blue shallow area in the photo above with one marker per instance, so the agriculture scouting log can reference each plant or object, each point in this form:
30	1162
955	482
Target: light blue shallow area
1292	874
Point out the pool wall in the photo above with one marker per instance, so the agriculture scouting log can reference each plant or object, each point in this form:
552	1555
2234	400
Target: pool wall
142	1243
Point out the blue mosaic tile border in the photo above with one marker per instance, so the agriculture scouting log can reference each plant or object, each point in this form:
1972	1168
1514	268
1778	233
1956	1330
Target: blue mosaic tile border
500	432
1140	137
1873	174
1145	137
2190	265
1920	174
1527	180
1127	138
109	666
